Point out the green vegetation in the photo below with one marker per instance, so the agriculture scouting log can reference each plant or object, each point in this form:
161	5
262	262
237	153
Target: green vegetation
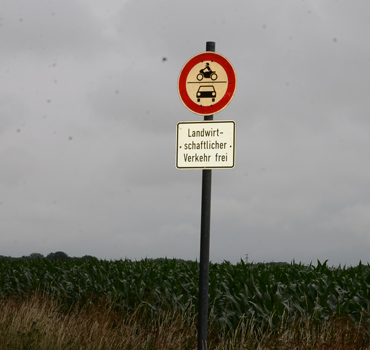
249	305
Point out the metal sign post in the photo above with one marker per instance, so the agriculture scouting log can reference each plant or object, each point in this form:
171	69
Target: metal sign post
205	229
204	259
206	85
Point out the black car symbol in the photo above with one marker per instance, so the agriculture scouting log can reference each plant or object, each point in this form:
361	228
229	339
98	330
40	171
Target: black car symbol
206	91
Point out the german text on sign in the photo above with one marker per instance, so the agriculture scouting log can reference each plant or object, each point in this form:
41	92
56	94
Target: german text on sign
205	145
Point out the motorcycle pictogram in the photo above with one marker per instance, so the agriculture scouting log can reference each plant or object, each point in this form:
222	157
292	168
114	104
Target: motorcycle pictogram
207	72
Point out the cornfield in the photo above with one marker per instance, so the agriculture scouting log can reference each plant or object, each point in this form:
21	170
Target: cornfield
267	293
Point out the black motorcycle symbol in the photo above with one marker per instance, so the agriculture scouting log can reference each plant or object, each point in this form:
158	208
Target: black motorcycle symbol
207	72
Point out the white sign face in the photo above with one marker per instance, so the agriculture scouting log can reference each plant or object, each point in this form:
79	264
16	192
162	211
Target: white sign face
205	145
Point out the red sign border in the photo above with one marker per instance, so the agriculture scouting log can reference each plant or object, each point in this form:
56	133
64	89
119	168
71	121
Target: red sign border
231	87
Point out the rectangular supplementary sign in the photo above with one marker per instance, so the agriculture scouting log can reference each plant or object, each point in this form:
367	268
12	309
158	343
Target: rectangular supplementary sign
205	145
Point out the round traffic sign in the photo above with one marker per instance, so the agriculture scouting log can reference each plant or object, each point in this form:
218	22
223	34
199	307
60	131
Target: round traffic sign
207	83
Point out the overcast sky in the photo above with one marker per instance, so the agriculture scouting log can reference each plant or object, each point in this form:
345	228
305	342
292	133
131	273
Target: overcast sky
88	114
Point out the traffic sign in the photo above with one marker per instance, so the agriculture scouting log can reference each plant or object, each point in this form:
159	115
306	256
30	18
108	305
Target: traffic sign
205	145
207	83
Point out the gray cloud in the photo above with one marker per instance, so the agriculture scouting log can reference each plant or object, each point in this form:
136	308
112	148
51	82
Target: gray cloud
48	26
88	117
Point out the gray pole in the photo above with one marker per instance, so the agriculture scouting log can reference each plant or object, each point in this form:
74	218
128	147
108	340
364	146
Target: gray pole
204	245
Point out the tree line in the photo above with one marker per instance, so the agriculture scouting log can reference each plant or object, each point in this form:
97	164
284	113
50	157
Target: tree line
59	255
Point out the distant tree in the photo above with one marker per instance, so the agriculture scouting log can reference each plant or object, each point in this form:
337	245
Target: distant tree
58	256
2	257
35	256
89	257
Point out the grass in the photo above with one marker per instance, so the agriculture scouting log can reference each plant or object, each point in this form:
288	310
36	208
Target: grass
40	322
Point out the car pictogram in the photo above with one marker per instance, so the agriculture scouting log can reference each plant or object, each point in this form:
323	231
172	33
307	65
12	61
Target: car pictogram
206	91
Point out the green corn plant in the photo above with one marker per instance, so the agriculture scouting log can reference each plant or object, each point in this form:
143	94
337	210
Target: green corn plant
266	293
